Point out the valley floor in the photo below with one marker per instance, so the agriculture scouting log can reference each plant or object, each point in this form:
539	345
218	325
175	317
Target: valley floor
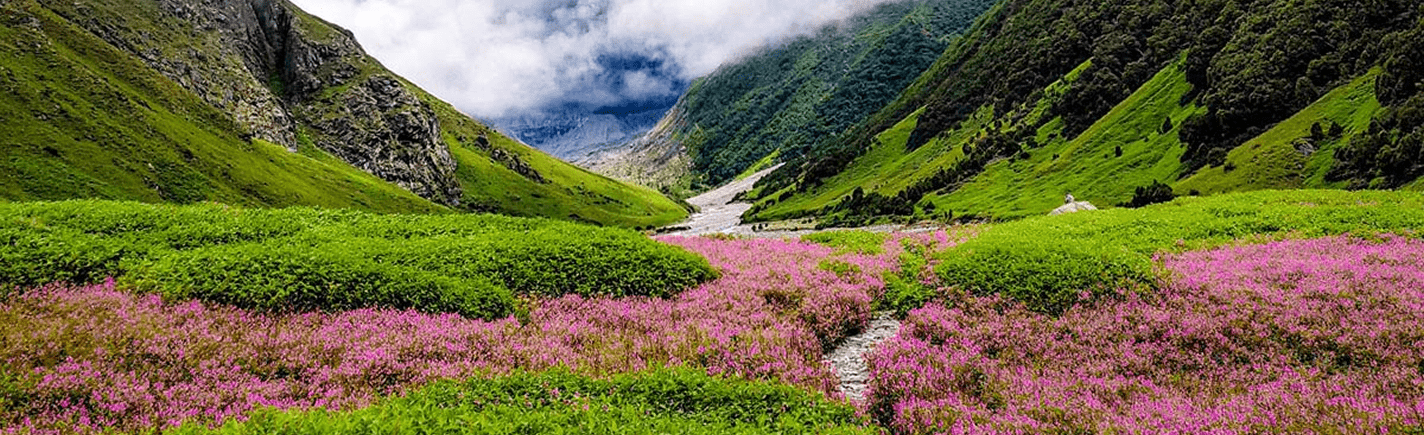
1256	316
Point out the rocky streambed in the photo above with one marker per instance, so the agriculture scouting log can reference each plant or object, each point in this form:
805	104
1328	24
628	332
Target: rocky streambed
720	215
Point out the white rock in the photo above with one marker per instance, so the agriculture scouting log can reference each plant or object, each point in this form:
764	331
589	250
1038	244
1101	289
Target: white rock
1072	208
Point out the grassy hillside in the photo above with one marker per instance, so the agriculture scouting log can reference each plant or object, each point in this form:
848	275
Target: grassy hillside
784	100
1289	155
499	174
1041	99
83	119
86	116
1090	165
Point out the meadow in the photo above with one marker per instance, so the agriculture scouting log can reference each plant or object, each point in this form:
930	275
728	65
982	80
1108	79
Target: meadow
1267	312
308	259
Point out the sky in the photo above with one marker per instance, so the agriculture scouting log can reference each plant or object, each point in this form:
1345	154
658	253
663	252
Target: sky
504	58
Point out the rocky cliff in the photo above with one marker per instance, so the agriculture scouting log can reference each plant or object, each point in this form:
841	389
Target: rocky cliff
287	78
657	159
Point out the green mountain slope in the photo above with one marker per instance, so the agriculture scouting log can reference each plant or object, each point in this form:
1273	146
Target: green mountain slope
256	103
1044	97
787	98
82	119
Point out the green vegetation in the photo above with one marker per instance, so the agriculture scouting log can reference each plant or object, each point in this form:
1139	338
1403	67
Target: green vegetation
1034	181
1040	99
765	162
302	259
1389	153
85	120
1289	155
565	192
669	400
86	117
1049	262
811	89
906	289
853	241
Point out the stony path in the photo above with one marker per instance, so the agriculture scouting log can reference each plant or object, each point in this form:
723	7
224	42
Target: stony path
849	358
718	213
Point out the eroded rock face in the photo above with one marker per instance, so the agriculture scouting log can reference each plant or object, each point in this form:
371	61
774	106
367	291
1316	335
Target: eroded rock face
380	127
282	74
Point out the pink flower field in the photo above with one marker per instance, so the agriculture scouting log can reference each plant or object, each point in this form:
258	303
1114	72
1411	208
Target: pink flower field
93	358
1313	336
1296	336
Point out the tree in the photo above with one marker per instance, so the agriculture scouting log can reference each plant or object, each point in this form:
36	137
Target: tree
1157	192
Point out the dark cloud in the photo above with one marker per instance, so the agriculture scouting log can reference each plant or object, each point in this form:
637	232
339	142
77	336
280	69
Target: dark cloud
496	58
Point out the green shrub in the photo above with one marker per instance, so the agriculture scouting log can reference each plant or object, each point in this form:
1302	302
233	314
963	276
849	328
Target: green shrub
1046	275
298	278
905	289
1046	262
855	241
314	259
550	263
676	400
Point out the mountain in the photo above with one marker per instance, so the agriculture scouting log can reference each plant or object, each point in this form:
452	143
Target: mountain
785	99
1128	102
575	134
254	102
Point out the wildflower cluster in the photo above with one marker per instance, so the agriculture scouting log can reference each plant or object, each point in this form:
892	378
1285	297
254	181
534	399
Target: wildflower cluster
92	358
1292	336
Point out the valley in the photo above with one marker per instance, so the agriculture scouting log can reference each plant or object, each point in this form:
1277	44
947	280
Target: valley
229	218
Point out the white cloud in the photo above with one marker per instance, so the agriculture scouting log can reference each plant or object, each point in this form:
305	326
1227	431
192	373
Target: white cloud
494	58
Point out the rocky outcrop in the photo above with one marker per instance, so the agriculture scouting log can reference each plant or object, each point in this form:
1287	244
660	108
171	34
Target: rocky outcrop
509	160
657	159
377	125
282	74
1072	207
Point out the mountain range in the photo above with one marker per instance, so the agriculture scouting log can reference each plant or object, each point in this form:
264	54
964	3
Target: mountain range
1119	103
255	102
572	135
947	109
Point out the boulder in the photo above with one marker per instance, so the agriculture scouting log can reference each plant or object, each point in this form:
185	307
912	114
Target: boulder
1072	207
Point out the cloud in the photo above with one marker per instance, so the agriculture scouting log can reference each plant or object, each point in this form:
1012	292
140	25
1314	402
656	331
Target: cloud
496	58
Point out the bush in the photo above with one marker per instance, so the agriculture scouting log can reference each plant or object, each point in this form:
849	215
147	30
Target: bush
675	400
1048	262
1155	193
1046	275
856	241
312	259
302	279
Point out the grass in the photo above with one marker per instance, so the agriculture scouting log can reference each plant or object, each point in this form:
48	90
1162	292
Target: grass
664	400
305	259
84	119
567	191
1122	151
765	162
1271	160
1053	262
1087	166
853	241
888	168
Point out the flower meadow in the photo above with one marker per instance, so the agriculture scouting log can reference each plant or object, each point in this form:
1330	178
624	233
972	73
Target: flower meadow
88	358
1293	336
